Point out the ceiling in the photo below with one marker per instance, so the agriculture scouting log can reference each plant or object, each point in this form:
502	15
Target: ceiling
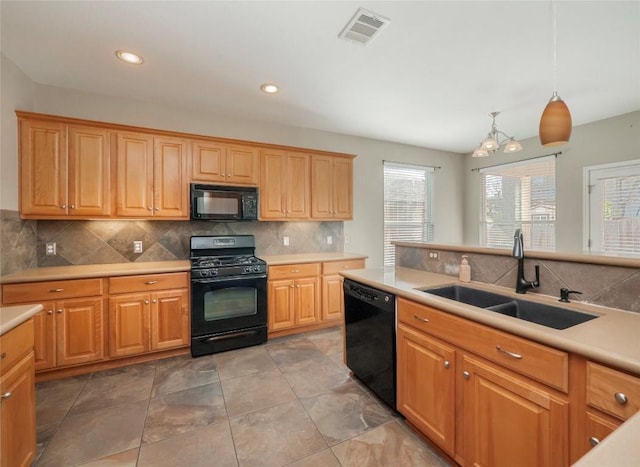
429	79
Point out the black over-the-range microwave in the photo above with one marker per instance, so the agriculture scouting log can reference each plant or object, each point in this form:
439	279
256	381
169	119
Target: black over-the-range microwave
223	203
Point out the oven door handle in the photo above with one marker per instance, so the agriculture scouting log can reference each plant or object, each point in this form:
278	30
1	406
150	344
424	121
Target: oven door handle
226	279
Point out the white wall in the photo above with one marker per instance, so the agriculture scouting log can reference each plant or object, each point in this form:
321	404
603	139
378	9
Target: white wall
611	140
16	92
364	232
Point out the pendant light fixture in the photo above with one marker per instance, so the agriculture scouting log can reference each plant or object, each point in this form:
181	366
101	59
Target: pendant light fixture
492	142
555	122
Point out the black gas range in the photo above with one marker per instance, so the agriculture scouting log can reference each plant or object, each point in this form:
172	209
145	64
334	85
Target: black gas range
228	294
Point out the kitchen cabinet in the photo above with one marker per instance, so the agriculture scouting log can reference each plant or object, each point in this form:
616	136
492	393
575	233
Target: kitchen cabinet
511	402
152	176
284	185
332	294
69	329
293	296
65	170
17	397
224	163
148	313
331	187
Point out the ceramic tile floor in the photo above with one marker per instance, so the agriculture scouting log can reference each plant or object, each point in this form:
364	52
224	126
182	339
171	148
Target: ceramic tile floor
289	402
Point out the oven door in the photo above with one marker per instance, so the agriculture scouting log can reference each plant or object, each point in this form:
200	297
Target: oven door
220	305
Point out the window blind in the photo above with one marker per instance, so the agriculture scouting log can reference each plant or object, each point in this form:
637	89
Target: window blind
521	195
408	206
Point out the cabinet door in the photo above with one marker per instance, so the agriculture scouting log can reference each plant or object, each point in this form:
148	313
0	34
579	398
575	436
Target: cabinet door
79	328
426	385
170	319
135	175
171	190
273	185
44	343
129	324
208	161
342	188
298	186
43	168
18	415
321	187
598	428
508	421
281	304
89	172
307	301
332	298
242	165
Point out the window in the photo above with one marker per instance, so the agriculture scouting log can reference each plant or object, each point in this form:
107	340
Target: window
521	195
613	211
408	201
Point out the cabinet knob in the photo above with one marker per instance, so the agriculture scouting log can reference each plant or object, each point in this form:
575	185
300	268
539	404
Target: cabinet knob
146	302
157	209
292	286
593	441
154	301
49	312
150	208
73	206
447	364
59	311
466	374
6	395
64	206
621	398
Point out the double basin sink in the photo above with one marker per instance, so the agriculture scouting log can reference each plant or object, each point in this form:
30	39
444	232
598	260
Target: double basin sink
551	316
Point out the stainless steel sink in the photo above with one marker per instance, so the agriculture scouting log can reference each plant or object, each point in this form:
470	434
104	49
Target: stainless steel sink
551	316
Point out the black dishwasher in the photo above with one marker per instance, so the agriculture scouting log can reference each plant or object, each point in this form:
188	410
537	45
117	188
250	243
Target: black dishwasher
370	334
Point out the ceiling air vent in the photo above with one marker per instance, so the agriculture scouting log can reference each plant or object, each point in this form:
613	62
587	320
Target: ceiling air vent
364	27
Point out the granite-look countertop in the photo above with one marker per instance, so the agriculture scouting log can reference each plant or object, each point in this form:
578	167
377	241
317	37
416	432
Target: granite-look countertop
86	271
275	260
612	338
13	316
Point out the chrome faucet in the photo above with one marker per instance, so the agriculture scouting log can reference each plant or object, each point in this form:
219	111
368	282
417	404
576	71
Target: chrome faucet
522	285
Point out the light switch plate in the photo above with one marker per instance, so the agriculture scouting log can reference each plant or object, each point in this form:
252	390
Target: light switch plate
285	241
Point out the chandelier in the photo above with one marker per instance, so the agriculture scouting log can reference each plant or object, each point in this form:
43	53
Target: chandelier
491	144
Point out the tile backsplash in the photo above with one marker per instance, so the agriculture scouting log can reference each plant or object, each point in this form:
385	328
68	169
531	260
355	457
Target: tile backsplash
22	244
612	286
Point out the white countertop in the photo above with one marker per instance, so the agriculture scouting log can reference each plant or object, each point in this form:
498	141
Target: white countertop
13	316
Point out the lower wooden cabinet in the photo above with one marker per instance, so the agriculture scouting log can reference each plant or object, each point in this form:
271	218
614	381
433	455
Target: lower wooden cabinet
293	296
17	397
332	293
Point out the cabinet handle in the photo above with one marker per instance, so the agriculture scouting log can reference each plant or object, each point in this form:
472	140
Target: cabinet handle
6	395
49	312
154	301
292	286
150	208
146	302
621	398
295	270
64	206
151	282
3	355
424	320
593	441
510	354
59	311
157	209
73	206
56	290
447	364
466	374
297	286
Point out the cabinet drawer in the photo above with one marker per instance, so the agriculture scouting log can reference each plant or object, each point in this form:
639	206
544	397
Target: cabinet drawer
144	282
542	363
33	292
612	391
334	267
15	344
292	271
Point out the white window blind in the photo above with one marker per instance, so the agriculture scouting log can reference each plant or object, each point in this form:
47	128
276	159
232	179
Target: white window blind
521	195
614	217
408	206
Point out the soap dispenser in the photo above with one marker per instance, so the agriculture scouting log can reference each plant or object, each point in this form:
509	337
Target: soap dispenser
465	270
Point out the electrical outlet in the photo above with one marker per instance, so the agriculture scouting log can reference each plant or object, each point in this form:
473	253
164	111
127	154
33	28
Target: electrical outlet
285	241
433	255
50	249
329	240
137	246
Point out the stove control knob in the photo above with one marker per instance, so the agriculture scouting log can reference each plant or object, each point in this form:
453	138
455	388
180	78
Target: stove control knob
214	272
256	268
204	273
247	269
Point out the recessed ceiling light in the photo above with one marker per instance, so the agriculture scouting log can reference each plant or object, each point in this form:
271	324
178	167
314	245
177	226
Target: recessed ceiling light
269	88
129	57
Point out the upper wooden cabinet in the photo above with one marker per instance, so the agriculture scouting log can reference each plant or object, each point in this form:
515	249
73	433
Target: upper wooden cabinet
224	163
64	170
152	179
284	185
331	187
